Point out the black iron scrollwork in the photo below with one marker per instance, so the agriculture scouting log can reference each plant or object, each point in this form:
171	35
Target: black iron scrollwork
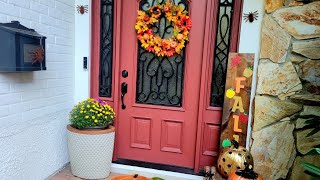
160	79
106	40
222	45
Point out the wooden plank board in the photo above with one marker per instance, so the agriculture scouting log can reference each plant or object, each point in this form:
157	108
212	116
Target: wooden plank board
237	97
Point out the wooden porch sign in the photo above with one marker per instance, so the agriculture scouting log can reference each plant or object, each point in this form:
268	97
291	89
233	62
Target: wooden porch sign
237	98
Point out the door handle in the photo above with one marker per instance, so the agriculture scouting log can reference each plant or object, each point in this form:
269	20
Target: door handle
124	90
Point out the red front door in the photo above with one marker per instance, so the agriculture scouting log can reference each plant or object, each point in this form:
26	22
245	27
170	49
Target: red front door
168	117
159	123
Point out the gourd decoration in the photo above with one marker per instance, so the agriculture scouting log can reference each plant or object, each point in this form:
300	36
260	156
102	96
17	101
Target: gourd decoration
233	158
130	177
246	174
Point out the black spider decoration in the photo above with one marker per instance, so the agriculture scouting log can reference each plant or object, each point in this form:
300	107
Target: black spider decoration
251	16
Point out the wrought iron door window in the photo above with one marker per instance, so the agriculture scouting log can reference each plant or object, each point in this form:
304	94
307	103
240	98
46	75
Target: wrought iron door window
222	46
106	50
160	79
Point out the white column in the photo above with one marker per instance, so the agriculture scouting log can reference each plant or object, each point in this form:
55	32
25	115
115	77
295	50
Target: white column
250	36
82	49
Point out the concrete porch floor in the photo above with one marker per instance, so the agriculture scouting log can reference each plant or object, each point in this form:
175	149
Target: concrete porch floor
66	174
116	169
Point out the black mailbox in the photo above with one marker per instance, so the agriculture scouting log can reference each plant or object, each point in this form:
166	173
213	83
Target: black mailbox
21	48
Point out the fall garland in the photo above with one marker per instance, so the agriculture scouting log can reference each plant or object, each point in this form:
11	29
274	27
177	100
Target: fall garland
154	43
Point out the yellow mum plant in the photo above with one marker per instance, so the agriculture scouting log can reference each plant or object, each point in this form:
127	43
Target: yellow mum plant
91	113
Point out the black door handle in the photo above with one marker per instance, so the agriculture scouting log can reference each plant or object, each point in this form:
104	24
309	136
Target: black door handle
124	90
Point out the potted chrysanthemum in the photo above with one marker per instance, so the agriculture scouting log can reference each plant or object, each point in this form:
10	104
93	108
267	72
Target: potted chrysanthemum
91	139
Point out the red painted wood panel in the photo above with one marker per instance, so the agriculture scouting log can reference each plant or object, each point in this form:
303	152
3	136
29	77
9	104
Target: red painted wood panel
172	136
211	138
141	132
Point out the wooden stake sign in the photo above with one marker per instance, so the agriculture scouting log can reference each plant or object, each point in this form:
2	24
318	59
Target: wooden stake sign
237	98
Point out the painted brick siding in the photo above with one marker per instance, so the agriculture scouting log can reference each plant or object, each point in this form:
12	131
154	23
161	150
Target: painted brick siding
34	105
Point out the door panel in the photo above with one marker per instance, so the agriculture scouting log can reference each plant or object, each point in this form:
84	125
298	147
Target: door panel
172	136
159	123
141	132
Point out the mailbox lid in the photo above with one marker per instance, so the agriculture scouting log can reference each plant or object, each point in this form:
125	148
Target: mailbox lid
16	28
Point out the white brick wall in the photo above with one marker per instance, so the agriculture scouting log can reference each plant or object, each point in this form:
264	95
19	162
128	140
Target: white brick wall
34	105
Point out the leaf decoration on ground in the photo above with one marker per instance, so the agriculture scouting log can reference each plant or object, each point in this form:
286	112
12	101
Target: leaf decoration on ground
157	178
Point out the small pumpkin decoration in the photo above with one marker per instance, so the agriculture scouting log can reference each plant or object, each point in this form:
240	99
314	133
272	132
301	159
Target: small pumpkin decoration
233	158
246	174
130	177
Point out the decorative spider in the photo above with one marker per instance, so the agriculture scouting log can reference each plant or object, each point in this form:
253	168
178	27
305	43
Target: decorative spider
251	16
82	9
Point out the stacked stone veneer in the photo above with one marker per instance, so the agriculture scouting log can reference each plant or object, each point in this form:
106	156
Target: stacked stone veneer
288	86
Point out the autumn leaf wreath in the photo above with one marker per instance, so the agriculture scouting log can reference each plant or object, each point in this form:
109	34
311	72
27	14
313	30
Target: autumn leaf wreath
154	43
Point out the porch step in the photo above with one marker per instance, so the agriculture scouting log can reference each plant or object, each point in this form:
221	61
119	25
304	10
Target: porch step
167	175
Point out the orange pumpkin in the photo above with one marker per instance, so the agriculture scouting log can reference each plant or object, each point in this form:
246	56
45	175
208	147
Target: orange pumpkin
127	177
246	174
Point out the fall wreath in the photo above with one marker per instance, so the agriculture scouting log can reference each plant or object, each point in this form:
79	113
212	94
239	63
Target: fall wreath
154	43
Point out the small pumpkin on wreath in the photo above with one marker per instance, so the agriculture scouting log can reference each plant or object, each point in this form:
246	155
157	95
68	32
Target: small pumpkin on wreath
154	43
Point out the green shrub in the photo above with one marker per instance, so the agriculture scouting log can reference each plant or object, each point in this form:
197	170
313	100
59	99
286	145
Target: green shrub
91	113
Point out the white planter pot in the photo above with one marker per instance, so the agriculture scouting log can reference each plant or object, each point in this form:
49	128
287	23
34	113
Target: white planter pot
90	152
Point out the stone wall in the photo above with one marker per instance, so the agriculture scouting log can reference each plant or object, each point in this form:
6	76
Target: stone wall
288	88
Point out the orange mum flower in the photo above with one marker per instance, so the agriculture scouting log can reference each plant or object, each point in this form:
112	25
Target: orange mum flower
156	11
185	22
167	7
170	53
